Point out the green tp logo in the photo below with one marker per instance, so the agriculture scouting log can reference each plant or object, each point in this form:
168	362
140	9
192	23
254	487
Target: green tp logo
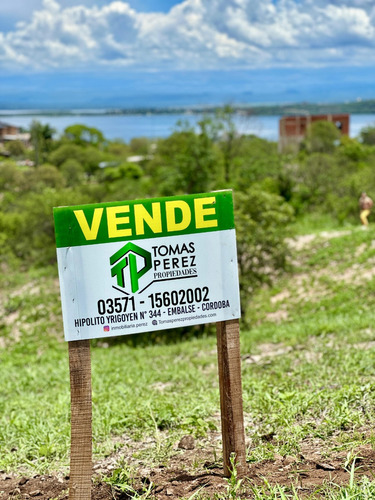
129	256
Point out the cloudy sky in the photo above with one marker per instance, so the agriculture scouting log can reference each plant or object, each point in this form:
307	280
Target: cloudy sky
207	50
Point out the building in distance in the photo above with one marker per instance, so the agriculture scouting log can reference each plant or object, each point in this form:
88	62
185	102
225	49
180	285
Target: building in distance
12	133
293	129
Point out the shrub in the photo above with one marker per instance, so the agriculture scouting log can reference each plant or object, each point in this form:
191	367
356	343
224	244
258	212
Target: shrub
261	222
322	137
73	171
27	224
15	148
10	176
367	135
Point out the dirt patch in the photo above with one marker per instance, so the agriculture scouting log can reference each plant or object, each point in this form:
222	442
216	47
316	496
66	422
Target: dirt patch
280	297
277	316
45	488
300	242
267	350
192	470
328	235
364	346
355	275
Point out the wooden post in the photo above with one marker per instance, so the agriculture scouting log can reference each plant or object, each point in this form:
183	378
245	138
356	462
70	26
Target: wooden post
81	420
232	424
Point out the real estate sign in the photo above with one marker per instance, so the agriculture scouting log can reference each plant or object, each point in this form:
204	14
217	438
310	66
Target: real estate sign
139	266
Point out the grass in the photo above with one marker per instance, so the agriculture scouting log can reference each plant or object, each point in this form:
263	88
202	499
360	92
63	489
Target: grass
314	223
123	479
308	372
134	389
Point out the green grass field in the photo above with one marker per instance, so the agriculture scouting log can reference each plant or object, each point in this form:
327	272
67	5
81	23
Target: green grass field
308	374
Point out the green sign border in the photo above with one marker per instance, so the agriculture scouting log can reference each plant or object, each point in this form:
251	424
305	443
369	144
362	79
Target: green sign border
69	233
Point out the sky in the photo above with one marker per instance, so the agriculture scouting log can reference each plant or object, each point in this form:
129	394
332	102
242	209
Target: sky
139	53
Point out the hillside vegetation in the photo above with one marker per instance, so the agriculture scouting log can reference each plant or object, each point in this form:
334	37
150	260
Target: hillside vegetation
307	335
308	377
326	176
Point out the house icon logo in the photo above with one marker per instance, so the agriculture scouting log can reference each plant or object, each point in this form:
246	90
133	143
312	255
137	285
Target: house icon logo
130	261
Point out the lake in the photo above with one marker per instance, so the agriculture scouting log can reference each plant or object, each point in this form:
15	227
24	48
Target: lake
161	125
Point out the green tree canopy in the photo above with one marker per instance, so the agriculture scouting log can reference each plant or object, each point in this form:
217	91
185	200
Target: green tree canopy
89	157
186	161
84	135
15	148
41	136
367	135
322	137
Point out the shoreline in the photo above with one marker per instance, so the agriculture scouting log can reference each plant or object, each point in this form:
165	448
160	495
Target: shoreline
358	107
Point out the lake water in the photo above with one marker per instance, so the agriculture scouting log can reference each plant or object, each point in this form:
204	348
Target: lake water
161	125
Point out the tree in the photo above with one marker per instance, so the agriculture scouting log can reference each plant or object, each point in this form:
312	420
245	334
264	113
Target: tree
123	171
315	178
351	149
186	161
10	176
256	160
140	145
88	156
322	137
367	135
119	149
229	140
45	176
41	139
84	135
73	171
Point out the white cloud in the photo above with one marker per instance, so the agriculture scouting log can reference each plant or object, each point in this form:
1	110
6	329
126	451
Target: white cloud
195	34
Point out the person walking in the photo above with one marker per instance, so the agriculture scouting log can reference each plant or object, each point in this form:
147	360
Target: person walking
365	205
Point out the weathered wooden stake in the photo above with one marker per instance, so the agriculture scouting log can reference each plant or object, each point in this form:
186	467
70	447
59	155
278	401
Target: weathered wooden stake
232	424
81	420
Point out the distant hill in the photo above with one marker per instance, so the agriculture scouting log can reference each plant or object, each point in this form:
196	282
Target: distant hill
357	107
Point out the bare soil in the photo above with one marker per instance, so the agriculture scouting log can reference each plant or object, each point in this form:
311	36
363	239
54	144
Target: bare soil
182	477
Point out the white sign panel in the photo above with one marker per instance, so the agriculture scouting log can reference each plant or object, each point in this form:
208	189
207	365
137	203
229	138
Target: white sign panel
131	274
